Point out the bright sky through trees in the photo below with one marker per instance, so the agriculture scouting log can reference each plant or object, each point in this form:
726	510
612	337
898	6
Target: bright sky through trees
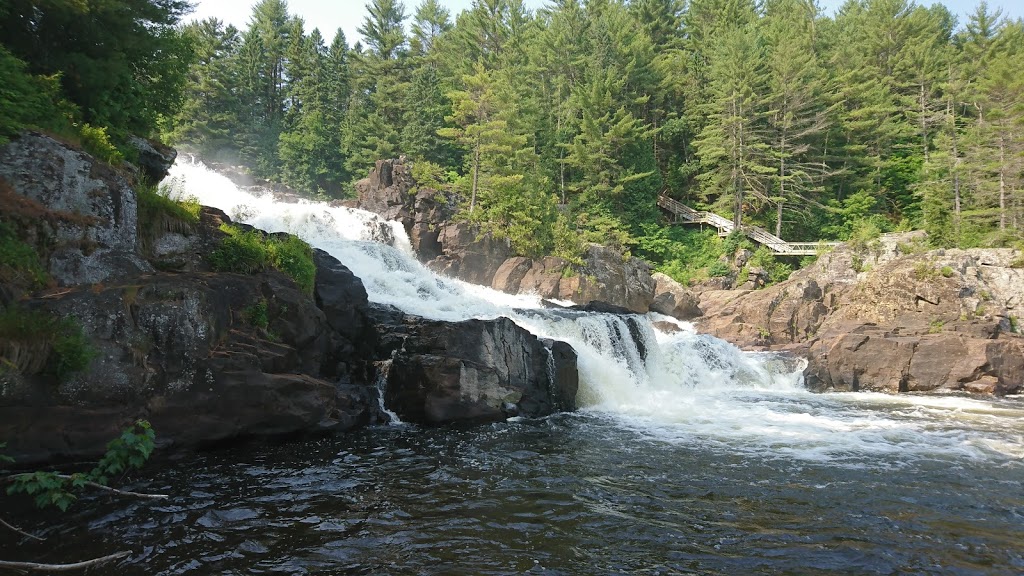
348	14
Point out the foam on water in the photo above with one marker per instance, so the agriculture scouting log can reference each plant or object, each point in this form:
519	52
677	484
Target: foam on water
681	387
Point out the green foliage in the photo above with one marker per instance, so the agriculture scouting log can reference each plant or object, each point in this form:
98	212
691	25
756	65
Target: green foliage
120	63
935	326
19	263
719	269
36	338
28	101
249	252
95	141
562	126
294	257
242	252
428	175
946	271
128	451
925	270
159	213
256	314
777	271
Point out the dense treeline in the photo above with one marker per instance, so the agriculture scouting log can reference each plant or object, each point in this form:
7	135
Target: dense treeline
90	70
564	125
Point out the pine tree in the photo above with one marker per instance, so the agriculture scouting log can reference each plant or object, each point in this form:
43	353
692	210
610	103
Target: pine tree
430	22
798	115
732	146
383	28
209	112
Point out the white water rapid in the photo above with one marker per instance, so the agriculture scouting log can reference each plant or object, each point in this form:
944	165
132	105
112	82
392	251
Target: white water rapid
690	388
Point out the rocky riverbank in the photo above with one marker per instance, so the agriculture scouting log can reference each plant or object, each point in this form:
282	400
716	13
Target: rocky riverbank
890	316
115	311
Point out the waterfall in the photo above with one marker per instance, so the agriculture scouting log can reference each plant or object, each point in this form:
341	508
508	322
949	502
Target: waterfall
618	356
679	387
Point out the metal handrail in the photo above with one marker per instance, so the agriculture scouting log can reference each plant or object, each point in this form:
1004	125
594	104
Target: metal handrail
726	226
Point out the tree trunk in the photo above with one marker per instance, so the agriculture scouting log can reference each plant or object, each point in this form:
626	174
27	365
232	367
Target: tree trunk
476	177
1002	183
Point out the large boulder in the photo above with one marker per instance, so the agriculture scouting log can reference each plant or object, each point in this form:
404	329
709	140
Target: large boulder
81	209
473	371
672	299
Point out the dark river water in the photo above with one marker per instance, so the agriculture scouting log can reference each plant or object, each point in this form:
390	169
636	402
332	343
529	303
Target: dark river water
588	493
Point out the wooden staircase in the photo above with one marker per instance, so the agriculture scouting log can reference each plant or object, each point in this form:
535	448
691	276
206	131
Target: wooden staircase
683	214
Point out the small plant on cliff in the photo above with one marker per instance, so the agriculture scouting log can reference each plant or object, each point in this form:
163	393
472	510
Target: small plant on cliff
924	270
159	213
249	252
256	314
19	262
946	271
96	141
33	341
295	258
935	326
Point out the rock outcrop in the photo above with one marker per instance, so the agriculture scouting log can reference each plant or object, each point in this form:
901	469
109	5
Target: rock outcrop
154	159
204	356
210	356
889	317
673	299
82	210
473	371
459	250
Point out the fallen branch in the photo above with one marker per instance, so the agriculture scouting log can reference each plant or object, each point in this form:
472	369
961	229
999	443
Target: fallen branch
19	530
63	567
102	487
105	488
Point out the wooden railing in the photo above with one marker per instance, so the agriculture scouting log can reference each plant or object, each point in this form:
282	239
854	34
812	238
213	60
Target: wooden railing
685	215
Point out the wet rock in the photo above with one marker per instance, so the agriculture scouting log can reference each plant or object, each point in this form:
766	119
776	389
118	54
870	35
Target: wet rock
184	351
472	371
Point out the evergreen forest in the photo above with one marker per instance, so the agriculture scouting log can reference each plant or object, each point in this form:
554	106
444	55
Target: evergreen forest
563	125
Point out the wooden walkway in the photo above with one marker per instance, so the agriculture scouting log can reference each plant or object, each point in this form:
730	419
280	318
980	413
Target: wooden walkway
683	214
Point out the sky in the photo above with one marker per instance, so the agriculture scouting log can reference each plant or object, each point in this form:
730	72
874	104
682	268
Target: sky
328	15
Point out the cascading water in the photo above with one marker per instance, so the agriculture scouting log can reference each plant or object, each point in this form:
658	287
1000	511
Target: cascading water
680	387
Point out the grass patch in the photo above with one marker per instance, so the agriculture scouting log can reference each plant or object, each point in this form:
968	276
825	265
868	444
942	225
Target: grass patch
20	263
249	252
158	213
925	270
33	342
